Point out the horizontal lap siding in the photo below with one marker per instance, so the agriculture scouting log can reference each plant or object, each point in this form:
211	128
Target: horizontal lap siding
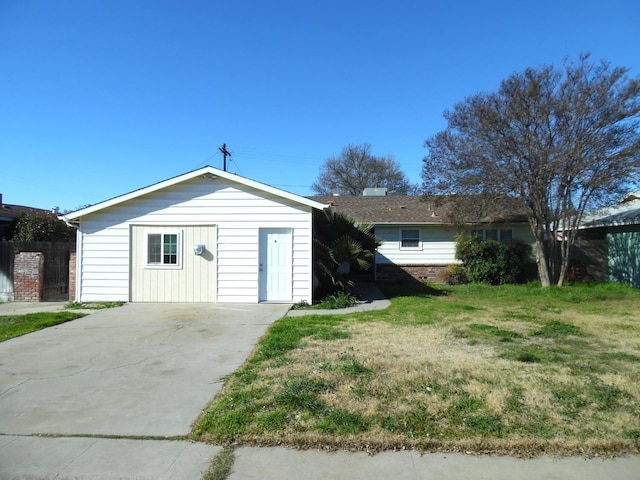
105	262
438	245
237	211
301	263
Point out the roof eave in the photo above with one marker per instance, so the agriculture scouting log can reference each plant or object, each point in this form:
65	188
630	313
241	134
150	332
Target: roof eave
208	170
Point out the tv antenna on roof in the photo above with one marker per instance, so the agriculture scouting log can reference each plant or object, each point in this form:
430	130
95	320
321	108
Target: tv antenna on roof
225	154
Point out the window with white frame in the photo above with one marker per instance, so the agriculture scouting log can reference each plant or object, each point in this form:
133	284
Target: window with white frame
500	234
163	249
410	238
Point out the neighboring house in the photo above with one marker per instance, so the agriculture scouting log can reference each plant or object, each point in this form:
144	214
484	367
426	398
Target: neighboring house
9	216
608	247
417	240
204	236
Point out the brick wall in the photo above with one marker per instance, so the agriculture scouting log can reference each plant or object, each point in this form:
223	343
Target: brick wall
72	276
409	273
28	276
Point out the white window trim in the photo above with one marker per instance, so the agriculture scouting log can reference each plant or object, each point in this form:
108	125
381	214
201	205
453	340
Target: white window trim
418	247
163	232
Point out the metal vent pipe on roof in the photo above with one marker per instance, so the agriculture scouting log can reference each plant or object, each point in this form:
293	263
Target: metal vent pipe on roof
374	192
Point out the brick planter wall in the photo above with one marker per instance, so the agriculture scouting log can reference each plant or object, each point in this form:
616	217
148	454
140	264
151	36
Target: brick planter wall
409	273
28	277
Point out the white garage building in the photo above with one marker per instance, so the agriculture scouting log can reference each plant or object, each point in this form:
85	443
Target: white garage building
204	236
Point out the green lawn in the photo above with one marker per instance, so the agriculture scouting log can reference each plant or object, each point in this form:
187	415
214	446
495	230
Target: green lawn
16	325
512	369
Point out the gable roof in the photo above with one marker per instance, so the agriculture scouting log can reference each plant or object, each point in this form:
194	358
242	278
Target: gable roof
417	209
205	171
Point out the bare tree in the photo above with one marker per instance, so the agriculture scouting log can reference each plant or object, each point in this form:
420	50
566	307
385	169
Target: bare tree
558	140
356	169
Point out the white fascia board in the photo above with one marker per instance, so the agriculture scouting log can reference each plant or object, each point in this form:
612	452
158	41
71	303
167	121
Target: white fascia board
208	170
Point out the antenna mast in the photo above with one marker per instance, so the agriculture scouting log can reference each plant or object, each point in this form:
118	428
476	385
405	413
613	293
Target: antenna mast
225	154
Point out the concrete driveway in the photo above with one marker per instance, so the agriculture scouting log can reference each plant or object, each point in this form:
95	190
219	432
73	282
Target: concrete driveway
140	370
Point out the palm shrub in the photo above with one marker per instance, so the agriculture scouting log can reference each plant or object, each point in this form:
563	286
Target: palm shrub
491	261
341	245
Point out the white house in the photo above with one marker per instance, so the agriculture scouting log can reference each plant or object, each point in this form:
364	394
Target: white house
204	236
416	239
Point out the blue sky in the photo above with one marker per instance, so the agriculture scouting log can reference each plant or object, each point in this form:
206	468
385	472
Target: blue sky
101	97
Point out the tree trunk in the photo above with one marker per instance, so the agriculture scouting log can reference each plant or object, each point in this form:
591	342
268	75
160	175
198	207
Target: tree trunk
564	262
543	265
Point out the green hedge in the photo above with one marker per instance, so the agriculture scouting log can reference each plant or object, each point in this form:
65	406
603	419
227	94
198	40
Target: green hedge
493	262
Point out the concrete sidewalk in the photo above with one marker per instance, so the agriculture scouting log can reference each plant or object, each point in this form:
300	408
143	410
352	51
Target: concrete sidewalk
40	458
283	463
37	458
369	298
22	308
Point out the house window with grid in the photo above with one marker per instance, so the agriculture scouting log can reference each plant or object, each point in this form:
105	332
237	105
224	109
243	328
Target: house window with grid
163	249
410	238
500	234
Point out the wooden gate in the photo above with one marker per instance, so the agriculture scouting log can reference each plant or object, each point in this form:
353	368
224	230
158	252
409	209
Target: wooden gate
56	272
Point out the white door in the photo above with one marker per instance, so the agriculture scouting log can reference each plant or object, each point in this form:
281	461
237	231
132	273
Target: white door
275	265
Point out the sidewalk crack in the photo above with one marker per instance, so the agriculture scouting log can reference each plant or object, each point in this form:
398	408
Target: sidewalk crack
66	467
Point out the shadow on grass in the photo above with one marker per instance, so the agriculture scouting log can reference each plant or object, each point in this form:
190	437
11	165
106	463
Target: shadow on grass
410	289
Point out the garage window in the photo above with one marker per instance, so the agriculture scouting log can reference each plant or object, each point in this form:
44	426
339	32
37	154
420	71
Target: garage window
163	249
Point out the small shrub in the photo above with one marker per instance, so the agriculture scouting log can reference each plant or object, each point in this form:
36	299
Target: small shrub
338	300
454	274
302	304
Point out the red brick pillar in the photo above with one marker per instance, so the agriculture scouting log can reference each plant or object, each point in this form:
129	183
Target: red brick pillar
72	276
28	276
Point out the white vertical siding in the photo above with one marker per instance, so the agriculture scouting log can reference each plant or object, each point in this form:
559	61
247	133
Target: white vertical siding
236	210
193	281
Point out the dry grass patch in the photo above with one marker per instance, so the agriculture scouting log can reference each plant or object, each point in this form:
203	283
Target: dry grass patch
503	369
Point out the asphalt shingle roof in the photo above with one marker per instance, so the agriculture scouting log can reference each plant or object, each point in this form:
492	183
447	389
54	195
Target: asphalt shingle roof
384	209
408	209
12	212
